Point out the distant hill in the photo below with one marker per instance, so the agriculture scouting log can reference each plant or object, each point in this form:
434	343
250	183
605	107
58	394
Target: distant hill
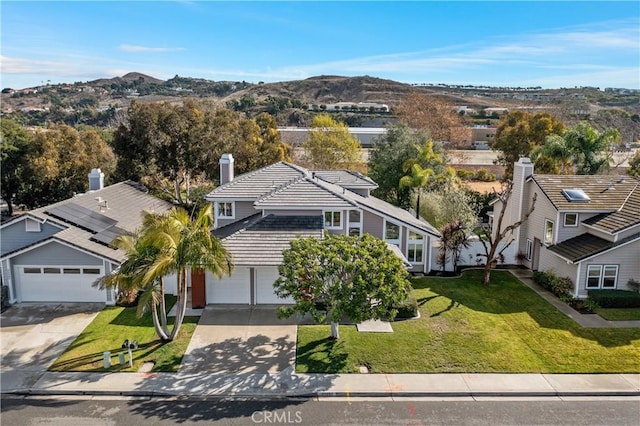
127	78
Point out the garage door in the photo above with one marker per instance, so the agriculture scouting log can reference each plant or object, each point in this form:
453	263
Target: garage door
265	277
233	289
59	284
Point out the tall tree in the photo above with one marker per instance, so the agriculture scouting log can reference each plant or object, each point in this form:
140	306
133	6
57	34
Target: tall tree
453	240
436	116
493	237
170	244
341	276
15	142
387	159
519	133
416	180
591	150
329	144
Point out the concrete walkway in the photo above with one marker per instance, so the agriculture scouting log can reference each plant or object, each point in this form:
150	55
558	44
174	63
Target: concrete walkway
584	320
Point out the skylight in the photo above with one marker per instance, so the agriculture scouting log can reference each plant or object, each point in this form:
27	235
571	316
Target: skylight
576	195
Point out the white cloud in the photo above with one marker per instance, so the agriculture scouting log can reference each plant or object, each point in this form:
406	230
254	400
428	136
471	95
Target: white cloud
11	65
134	49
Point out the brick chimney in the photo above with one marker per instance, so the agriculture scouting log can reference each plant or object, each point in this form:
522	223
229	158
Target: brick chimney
226	168
96	180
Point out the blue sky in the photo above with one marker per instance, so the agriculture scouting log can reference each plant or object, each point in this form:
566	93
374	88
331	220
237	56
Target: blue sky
548	44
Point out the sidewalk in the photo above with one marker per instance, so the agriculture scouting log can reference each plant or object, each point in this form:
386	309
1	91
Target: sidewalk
288	384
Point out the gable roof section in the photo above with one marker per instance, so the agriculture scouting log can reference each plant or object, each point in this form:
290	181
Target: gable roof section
346	179
584	246
607	193
259	182
260	243
304	193
626	217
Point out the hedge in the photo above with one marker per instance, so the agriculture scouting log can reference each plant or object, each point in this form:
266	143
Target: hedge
561	287
407	309
615	298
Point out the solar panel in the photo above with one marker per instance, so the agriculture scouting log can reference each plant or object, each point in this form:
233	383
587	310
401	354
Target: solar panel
576	195
82	217
108	235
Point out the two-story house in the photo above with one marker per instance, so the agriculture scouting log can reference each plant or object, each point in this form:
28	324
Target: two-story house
586	228
257	215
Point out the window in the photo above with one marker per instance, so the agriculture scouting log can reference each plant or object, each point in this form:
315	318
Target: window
415	247
355	222
225	210
392	233
332	220
51	270
32	270
31	225
602	276
529	252
571	219
92	271
71	271
548	231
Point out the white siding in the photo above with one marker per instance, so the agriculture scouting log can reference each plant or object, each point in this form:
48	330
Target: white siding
626	257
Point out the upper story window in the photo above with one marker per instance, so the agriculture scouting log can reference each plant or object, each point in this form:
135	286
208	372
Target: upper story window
333	219
571	219
31	225
548	231
225	210
355	222
392	233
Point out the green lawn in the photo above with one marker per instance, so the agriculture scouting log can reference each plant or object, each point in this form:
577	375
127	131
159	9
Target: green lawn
466	327
107	332
619	314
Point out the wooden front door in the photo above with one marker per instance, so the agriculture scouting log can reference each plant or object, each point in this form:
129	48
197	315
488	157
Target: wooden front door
198	294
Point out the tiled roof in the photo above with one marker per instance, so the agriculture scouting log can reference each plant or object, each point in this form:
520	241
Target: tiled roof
257	183
261	243
304	193
346	178
626	217
586	245
607	193
126	203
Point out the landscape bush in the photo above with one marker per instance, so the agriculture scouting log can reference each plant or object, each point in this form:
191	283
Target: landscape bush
615	298
560	286
634	285
407	309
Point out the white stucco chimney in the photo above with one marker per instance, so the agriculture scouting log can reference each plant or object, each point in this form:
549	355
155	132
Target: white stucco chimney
226	168
96	180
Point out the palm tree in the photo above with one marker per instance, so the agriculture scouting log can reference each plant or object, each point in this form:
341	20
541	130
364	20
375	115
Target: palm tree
169	244
590	148
416	180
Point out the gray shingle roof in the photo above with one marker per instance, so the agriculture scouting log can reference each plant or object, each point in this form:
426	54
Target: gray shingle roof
607	193
346	178
585	245
259	182
304	193
627	216
261	243
126	202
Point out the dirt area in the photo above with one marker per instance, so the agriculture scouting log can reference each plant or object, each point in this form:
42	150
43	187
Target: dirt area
483	187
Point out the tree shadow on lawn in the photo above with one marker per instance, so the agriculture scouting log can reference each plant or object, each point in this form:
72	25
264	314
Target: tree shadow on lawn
323	356
507	295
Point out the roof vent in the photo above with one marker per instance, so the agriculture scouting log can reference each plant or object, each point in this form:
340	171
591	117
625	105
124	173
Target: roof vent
576	195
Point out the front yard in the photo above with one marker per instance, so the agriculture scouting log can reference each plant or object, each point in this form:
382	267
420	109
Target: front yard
465	327
107	332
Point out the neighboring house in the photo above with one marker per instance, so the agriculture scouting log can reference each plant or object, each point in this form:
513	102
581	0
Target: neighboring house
257	215
586	228
55	253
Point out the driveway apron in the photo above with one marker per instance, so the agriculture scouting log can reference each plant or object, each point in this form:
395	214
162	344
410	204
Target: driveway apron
240	339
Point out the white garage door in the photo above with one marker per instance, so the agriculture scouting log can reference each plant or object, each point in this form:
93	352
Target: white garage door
59	284
233	289
265	277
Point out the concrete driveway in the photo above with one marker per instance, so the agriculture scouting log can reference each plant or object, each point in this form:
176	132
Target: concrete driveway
33	335
241	339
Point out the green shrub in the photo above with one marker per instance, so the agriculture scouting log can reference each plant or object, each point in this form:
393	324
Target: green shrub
561	287
634	285
407	309
615	298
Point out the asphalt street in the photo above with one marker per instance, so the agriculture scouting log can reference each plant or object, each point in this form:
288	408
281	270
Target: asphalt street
90	411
